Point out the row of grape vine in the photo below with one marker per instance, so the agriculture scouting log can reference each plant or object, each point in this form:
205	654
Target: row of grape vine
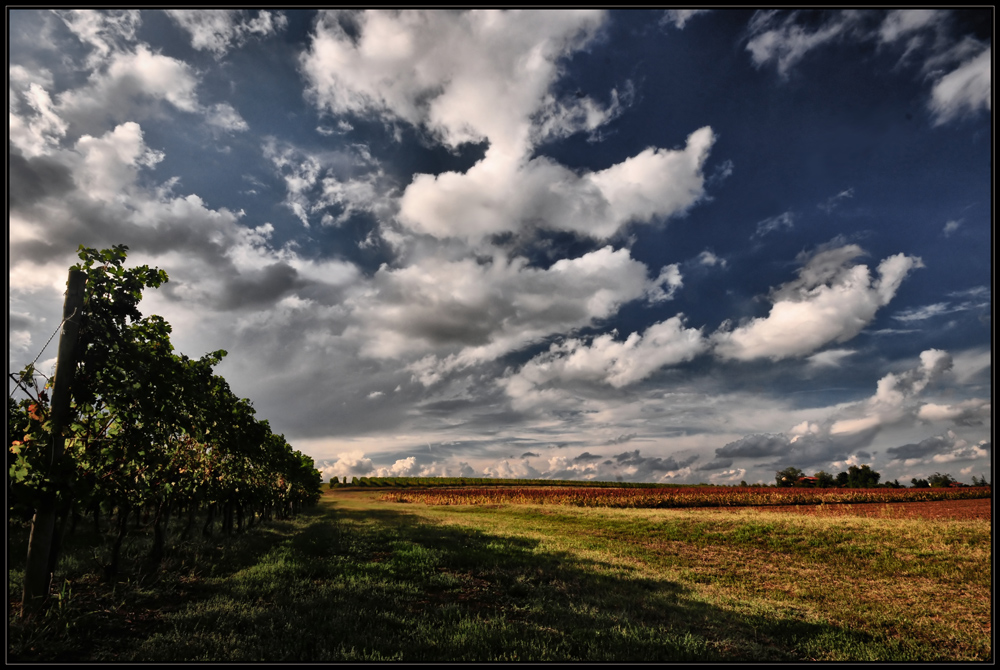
151	433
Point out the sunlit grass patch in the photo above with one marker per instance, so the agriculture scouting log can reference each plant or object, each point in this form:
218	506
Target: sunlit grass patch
845	571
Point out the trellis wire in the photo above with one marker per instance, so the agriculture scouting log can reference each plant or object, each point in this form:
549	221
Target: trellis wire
44	346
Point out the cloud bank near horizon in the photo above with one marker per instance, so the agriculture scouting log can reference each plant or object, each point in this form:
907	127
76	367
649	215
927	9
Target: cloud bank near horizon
503	242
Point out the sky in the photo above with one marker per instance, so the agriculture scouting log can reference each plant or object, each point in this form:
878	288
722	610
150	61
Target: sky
661	246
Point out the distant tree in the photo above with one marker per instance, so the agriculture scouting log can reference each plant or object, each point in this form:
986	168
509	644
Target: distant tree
842	480
979	481
919	483
788	476
743	482
894	484
862	477
824	480
937	480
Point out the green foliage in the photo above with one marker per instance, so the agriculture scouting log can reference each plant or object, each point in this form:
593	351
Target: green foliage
148	427
25	465
937	480
979	481
920	483
788	477
862	477
825	480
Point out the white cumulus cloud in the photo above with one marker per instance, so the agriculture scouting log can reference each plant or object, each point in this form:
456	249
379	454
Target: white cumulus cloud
470	311
967	412
448	71
831	301
127	86
608	360
503	193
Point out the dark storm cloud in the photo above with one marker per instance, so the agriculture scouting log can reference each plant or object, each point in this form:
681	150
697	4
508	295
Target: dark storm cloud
490	421
755	446
938	444
717	464
77	222
943	448
851	442
811	452
452	324
180	226
985	446
30	180
644	465
20	321
586	456
627	457
263	287
447	407
623	438
36	251
529	454
807	451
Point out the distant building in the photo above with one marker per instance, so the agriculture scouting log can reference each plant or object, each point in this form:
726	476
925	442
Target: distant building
808	481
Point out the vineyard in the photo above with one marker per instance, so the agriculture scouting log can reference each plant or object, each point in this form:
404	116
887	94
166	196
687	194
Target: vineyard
689	496
134	430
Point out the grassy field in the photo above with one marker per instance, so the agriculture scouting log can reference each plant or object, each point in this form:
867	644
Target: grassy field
362	579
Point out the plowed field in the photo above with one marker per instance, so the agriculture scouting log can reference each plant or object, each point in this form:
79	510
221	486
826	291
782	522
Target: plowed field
979	508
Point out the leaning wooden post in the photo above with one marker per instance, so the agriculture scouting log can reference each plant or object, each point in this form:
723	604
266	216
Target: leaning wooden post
36	568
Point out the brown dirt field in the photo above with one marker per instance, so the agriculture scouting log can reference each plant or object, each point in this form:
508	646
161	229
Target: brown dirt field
963	510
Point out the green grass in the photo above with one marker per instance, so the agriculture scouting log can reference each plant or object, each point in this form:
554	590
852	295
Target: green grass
358	579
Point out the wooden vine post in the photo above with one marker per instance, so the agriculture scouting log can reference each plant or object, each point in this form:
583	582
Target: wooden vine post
36	570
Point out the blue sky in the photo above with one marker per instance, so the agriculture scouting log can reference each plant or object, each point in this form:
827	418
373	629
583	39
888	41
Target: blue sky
640	245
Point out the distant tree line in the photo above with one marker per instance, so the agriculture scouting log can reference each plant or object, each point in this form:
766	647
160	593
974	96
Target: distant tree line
937	480
855	477
487	481
863	477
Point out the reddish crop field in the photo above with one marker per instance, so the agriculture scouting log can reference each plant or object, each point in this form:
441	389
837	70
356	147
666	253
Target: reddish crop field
690	496
962	510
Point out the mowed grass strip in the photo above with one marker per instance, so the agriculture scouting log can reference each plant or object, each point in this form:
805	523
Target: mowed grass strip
359	579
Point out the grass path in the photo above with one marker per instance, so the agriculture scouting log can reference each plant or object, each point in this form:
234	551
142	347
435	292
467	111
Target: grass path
358	579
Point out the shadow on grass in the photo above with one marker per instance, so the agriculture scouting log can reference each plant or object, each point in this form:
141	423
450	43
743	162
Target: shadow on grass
89	617
387	585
